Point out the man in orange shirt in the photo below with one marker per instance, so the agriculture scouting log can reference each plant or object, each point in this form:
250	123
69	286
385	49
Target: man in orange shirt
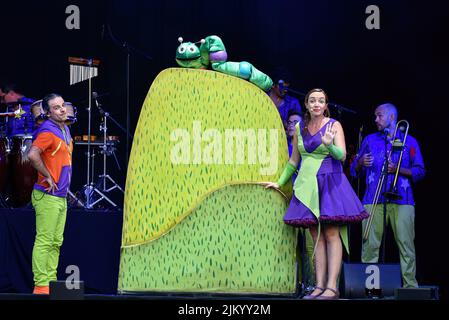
51	156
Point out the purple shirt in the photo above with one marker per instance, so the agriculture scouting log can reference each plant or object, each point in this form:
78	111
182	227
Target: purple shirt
411	159
288	104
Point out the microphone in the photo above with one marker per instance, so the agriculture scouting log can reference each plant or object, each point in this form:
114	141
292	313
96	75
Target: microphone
386	131
281	85
95	97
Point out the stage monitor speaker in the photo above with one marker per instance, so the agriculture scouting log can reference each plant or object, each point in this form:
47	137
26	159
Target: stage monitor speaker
62	290
421	293
369	280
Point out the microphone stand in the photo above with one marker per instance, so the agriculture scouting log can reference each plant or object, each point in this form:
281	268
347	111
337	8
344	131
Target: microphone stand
90	189
128	49
102	112
358	150
104	128
339	107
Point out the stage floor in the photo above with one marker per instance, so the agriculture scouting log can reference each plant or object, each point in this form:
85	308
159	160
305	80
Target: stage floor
92	240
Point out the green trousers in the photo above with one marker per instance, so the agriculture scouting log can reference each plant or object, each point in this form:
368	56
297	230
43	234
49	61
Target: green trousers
401	218
51	215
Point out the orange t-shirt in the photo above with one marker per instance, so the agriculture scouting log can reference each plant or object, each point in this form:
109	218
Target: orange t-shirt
56	154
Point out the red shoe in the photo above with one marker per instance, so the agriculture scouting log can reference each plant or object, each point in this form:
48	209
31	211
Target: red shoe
41	290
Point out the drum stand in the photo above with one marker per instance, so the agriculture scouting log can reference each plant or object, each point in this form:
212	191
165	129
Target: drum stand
101	186
74	197
89	188
106	151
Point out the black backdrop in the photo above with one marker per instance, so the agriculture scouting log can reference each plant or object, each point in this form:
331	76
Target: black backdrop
323	43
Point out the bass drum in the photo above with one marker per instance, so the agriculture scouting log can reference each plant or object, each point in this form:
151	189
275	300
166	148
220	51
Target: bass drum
23	175
4	151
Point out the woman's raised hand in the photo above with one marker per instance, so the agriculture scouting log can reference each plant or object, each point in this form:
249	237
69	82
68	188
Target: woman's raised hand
329	135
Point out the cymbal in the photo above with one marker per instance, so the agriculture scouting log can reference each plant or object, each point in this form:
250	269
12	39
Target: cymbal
17	113
7	114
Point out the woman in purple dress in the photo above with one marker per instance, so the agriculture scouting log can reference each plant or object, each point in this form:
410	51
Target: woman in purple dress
323	198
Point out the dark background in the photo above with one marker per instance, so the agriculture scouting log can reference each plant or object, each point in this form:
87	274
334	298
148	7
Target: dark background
323	43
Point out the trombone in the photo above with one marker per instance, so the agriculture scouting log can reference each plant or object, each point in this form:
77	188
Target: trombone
397	145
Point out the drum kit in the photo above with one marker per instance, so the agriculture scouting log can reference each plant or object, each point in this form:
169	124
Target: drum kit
17	175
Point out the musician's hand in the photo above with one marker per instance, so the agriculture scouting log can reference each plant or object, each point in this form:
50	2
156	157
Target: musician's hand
273	185
366	160
391	167
52	185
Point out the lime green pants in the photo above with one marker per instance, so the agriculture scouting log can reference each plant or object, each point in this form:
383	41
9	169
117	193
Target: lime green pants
401	218
51	215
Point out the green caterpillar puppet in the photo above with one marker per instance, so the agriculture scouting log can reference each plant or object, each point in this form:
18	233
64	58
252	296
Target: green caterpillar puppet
212	52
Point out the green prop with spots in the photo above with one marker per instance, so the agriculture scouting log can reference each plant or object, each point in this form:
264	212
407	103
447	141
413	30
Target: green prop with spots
194	221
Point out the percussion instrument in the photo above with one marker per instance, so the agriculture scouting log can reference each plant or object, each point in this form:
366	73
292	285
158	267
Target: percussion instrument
85	138
23	175
4	150
38	112
20	121
71	113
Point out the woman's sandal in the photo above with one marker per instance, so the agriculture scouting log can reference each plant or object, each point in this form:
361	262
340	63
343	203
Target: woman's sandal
314	296
334	297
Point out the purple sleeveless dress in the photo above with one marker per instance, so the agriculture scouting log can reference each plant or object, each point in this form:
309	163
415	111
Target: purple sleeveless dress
338	203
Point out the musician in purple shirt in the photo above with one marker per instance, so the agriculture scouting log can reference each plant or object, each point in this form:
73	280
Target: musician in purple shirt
400	212
280	97
21	126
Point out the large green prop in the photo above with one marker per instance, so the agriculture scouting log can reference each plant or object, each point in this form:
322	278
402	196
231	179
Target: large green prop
196	218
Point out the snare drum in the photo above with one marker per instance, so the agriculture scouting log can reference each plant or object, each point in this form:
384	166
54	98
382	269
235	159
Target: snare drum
71	113
38	112
24	176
